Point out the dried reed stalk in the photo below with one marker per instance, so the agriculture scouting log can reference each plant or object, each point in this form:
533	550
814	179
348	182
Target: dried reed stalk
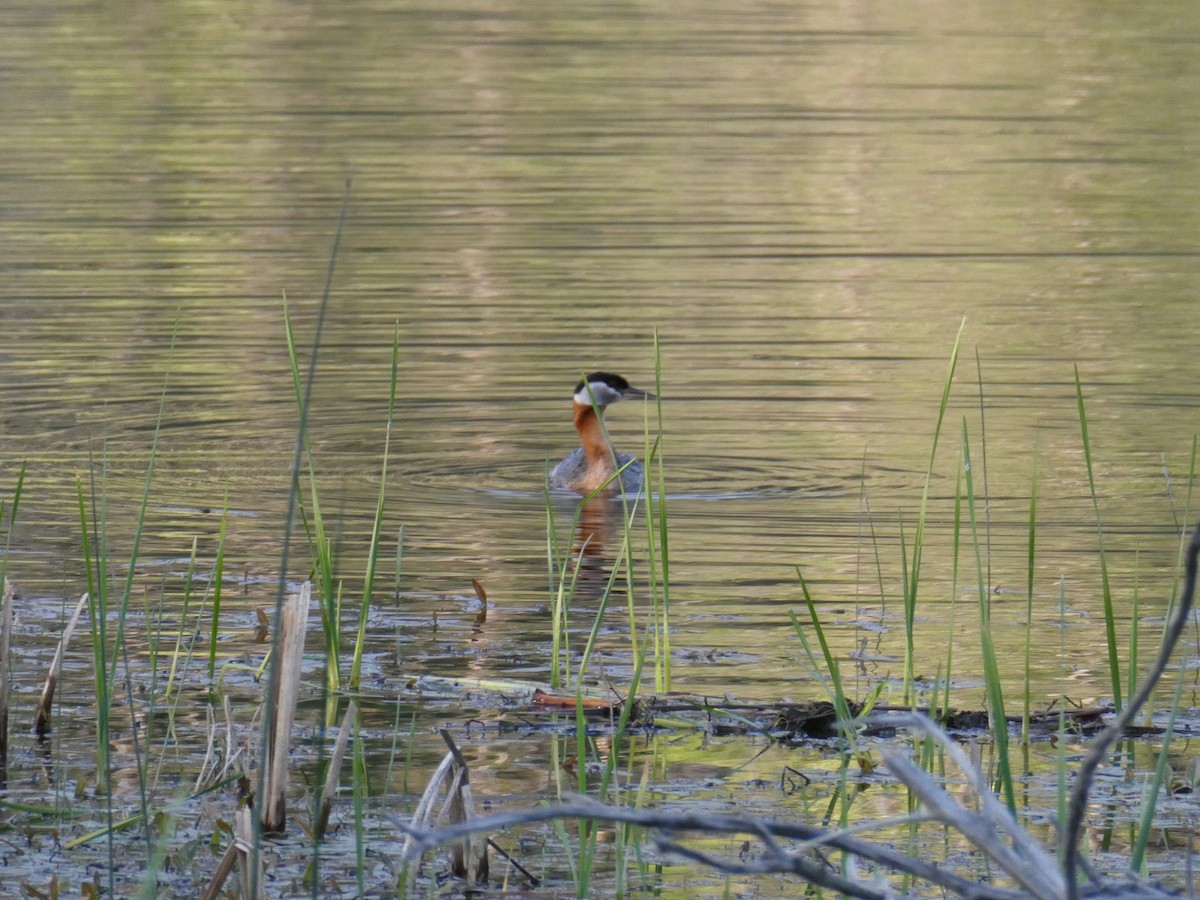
41	722
293	624
335	764
468	853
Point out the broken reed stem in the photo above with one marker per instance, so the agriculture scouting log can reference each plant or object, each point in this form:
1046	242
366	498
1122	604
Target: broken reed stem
6	622
293	624
244	838
238	854
468	857
335	765
41	722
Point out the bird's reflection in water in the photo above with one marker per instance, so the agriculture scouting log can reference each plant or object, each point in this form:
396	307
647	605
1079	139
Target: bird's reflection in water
598	536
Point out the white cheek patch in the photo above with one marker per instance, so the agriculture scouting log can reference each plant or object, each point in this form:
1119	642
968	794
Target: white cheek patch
602	392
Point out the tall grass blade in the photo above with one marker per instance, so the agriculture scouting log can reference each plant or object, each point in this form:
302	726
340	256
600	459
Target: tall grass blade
657	501
987	506
377	526
914	569
837	692
1110	626
1137	858
218	581
991	669
285	553
1029	569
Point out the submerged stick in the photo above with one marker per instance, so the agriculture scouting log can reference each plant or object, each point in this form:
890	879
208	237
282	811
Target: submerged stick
1102	744
292	625
41	722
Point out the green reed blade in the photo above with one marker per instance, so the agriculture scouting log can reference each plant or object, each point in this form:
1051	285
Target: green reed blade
1183	539
1110	623
914	569
218	580
956	545
987	508
838	694
1029	569
1137	858
285	552
662	679
12	519
377	526
1131	663
991	669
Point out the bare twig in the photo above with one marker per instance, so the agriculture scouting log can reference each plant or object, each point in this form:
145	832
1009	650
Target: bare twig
1040	880
420	840
805	867
469	858
1033	861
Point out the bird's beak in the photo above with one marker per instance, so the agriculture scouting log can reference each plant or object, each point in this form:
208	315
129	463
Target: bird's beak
631	392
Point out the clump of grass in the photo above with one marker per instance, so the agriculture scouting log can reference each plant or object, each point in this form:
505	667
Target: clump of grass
303	403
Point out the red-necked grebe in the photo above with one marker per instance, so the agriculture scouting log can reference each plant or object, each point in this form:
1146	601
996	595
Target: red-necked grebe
589	466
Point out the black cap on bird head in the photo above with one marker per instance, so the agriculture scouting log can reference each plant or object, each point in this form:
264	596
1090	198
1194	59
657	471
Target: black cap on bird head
616	382
603	388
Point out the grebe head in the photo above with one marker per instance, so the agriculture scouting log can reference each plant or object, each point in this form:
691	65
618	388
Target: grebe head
604	389
593	464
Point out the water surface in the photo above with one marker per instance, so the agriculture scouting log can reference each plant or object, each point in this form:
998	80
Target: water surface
805	200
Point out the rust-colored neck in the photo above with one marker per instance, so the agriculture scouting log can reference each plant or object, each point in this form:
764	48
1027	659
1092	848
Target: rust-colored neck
591	433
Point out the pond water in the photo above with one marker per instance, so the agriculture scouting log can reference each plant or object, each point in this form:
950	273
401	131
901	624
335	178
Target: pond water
805	200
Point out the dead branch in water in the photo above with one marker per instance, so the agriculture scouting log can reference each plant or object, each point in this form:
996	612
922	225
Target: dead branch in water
335	767
776	861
